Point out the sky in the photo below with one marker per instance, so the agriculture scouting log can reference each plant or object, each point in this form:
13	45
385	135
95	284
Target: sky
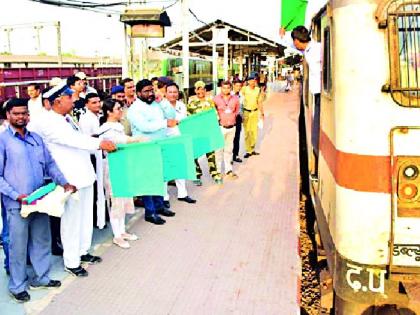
86	33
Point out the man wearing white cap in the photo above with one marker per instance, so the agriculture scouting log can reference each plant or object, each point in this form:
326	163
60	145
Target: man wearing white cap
86	89
71	150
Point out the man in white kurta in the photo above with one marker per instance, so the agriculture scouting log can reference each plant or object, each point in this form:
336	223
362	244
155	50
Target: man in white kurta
71	150
35	100
89	125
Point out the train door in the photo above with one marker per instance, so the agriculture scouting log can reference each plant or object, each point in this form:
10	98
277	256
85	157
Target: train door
315	102
403	27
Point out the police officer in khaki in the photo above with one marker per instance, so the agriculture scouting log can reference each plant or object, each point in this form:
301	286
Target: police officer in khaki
253	111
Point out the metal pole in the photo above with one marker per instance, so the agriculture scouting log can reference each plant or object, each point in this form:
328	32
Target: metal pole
9	45
185	47
38	37
225	61
214	53
141	60
132	65
241	66
126	54
146	59
60	56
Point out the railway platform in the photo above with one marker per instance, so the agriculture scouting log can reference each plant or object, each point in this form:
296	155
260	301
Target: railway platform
234	252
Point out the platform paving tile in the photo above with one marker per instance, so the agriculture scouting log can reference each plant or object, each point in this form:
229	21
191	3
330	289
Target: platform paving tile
234	252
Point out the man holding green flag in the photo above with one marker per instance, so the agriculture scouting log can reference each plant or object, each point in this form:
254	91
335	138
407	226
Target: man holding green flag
147	119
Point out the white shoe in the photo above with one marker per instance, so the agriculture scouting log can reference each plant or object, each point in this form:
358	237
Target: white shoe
129	237
121	243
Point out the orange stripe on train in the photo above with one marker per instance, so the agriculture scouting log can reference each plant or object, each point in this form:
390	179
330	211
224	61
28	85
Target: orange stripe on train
367	173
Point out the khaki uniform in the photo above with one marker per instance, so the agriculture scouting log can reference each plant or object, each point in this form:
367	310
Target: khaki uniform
196	106
251	116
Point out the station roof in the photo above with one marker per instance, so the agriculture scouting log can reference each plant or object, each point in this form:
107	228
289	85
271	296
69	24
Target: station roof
244	42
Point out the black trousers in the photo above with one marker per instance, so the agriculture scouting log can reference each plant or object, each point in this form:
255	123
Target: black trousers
237	138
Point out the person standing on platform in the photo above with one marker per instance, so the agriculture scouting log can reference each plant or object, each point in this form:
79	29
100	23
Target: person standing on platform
111	129
227	107
35	102
86	87
147	119
117	93
199	103
160	93
76	84
178	111
130	97
24	163
71	150
5	228
129	90
253	111
89	125
237	86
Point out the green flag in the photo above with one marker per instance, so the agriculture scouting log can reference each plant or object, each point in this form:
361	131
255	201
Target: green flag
136	169
40	192
205	132
178	158
293	13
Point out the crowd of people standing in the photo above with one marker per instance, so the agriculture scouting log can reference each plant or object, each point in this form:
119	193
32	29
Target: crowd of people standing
63	135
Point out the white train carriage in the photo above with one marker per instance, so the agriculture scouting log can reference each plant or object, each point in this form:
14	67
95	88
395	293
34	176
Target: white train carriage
365	184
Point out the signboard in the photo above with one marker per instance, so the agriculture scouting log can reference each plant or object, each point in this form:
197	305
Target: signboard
147	30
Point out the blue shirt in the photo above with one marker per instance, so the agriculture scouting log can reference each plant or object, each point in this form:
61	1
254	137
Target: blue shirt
147	120
25	162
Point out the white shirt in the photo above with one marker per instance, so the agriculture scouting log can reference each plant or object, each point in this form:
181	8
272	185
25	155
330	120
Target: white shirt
89	89
180	111
113	131
312	56
35	107
89	123
68	146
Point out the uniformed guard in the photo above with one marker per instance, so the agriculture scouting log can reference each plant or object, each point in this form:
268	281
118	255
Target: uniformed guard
253	111
199	103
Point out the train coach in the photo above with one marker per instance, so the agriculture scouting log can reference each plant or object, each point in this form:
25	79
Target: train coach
365	181
16	72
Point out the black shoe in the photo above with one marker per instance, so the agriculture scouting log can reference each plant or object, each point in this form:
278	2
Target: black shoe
255	153
166	204
77	272
247	155
155	219
8	272
237	160
165	212
187	199
21	297
50	285
171	183
90	259
138	202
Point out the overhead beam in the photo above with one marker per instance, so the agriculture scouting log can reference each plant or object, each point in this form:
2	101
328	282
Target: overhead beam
228	42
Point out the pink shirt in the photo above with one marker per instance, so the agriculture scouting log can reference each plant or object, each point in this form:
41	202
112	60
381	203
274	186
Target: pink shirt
227	109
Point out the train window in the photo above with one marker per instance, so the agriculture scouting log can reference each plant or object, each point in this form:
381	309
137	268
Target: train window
326	65
404	48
